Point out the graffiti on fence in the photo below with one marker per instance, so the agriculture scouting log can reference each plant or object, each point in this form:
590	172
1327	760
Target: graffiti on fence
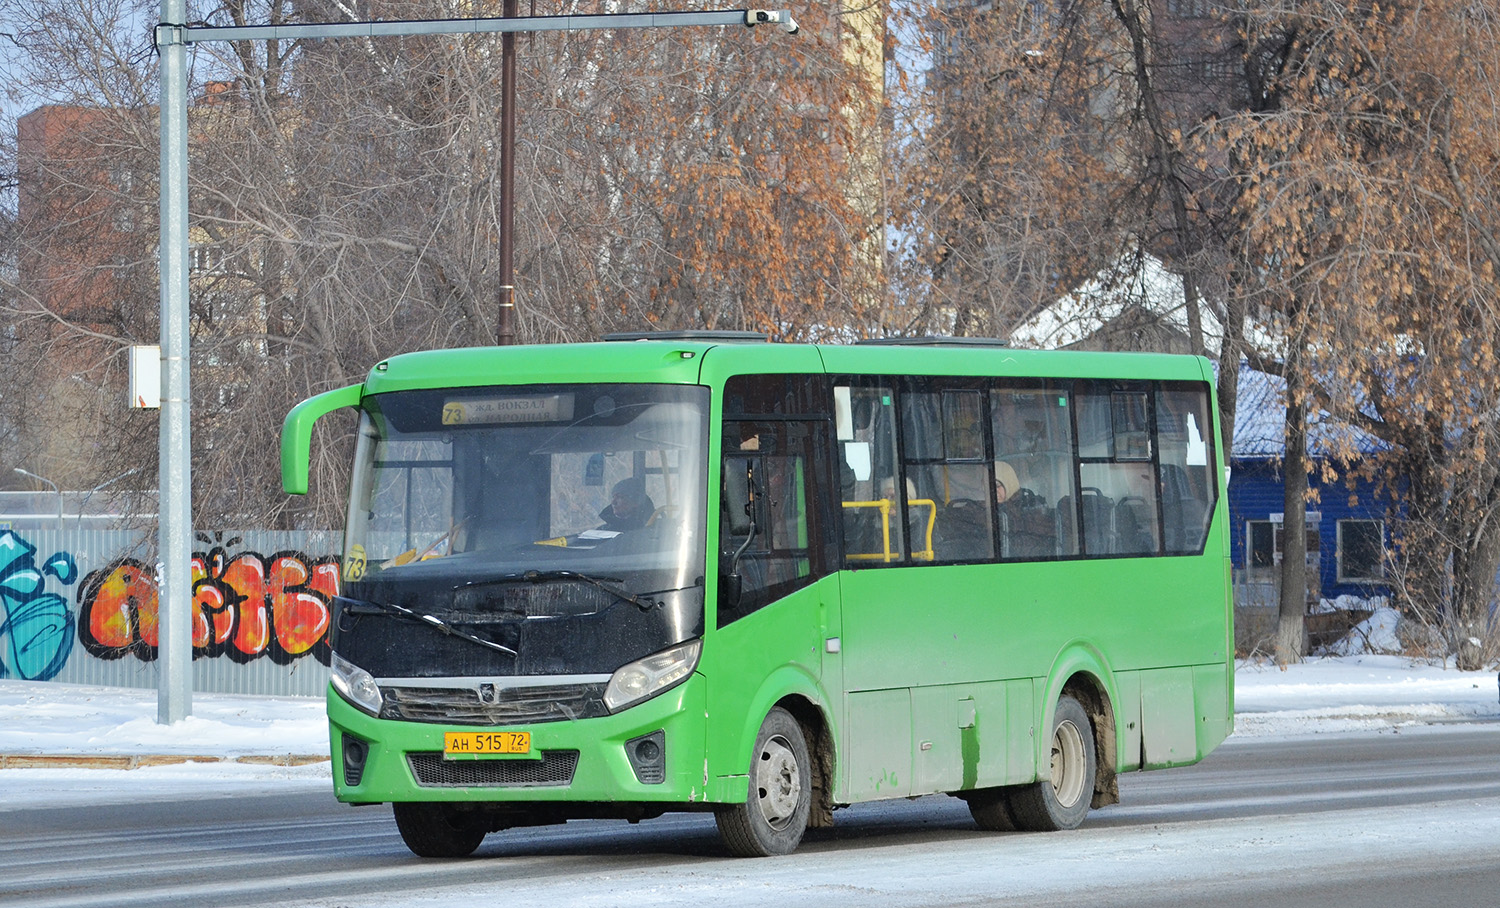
245	606
35	625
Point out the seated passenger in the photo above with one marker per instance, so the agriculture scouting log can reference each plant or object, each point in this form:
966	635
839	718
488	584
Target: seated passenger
1006	481
629	506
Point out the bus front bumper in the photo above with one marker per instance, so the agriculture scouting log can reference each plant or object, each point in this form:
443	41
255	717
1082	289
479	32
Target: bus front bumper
579	761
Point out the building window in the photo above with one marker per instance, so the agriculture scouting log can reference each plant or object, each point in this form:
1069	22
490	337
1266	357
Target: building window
1260	544
1263	544
122	177
206	258
1361	554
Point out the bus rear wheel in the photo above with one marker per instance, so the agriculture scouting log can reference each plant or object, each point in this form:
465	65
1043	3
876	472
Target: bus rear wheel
774	815
1060	798
438	830
990	808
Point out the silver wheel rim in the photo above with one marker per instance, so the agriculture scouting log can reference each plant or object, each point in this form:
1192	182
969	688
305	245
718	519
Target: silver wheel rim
778	783
1067	763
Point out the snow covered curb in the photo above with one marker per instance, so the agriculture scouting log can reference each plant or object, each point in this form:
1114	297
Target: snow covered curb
1358	693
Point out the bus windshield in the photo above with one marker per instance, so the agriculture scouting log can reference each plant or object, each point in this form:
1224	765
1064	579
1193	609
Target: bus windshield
486	495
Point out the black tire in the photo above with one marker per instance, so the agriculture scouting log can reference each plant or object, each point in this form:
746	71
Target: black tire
438	830
1060	798
990	808
774	815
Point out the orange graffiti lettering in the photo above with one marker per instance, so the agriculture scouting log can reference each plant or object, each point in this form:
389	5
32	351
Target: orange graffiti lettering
244	607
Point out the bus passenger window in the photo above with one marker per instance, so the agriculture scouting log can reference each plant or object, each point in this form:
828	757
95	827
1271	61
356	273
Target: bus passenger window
951	493
1184	437
865	416
1117	480
1033	434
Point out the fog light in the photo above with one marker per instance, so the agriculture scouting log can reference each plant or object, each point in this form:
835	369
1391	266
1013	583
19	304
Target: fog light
648	757
356	752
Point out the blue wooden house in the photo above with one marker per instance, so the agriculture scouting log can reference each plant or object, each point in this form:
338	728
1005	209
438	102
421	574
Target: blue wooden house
1347	535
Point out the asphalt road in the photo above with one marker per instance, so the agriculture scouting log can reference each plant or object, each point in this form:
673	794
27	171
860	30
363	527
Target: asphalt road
1408	819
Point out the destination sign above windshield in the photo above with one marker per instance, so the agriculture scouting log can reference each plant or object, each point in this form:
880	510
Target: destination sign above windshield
494	410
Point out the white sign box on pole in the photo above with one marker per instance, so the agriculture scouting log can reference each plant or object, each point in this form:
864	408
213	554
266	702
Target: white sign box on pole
145	377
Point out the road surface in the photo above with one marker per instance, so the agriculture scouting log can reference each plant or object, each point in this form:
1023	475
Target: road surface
1409	818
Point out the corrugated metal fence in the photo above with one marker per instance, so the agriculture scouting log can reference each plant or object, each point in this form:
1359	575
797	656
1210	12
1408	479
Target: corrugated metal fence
79	606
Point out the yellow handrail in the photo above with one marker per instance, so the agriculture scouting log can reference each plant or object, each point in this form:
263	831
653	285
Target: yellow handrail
926	554
884	505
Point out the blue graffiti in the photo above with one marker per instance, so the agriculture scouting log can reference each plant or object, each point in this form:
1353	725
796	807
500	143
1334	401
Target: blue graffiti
37	625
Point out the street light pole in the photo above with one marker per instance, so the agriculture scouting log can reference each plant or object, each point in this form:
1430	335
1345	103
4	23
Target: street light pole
505	327
174	534
54	488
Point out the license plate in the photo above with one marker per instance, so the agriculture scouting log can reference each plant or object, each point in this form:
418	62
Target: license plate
469	743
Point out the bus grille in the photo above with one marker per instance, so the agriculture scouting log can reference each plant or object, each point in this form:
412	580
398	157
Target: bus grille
512	706
554	768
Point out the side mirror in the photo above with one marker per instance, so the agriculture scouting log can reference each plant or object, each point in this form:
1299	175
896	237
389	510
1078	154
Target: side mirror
296	433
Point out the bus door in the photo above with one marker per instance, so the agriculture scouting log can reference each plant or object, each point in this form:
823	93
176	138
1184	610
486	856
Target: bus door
777	611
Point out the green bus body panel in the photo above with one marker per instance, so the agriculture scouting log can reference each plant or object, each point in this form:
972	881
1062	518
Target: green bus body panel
761	660
1002	362
1013	620
1128	721
296	434
653	362
944	676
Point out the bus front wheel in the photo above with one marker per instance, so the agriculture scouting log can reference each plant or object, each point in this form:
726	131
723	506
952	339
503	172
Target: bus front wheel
774	815
437	830
1060	798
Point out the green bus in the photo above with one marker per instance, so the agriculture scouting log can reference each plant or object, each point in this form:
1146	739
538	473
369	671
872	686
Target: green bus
702	572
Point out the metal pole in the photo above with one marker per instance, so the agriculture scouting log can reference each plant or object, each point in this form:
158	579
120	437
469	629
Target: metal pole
780	18
505	329
175	517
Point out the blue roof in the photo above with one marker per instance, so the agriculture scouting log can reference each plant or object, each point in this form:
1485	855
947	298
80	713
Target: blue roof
1260	423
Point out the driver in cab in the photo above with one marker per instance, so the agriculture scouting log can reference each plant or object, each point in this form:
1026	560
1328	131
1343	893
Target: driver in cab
629	506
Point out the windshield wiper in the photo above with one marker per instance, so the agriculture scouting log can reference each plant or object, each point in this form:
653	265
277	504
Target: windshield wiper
603	583
371	607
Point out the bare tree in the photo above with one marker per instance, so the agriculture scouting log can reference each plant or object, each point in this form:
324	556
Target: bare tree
344	198
1370	203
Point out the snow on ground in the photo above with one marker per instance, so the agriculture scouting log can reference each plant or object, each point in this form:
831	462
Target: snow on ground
50	718
81	721
1357	693
1348	694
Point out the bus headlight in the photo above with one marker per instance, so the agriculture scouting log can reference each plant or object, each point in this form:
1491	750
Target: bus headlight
355	685
645	678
